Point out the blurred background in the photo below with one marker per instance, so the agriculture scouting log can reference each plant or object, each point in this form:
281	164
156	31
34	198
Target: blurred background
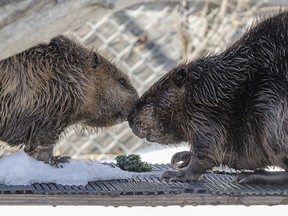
146	41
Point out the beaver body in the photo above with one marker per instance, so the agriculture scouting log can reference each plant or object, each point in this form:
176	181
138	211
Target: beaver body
52	86
231	107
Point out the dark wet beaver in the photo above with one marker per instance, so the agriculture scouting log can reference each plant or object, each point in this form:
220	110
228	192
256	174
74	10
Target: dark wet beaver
49	87
231	107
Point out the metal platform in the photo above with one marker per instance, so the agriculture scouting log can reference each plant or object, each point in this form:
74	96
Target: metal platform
147	190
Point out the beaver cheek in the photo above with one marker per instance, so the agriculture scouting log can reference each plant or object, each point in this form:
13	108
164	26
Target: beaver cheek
155	135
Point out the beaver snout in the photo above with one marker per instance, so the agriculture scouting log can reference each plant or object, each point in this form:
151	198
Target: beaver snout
136	125
130	118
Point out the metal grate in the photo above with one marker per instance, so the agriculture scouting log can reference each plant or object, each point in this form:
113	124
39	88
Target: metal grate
148	184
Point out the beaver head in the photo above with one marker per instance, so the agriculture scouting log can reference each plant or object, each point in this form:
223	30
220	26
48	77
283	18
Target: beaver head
158	115
112	95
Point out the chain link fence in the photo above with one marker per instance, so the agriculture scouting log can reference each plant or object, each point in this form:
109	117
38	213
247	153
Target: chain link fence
146	41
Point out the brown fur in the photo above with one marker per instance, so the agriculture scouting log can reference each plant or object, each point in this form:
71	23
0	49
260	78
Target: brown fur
231	107
52	86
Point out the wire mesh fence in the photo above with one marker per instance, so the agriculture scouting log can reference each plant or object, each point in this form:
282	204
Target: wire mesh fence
146	41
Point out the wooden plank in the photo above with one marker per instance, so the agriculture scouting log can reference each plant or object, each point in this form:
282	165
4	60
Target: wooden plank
140	200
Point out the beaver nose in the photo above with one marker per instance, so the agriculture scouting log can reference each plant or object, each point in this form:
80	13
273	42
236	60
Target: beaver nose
130	118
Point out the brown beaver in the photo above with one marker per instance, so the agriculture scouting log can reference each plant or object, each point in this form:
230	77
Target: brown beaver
231	107
49	87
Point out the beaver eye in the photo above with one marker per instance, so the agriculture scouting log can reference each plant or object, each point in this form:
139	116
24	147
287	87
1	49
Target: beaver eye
122	81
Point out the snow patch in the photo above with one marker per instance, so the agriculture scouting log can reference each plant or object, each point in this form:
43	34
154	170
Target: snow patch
20	169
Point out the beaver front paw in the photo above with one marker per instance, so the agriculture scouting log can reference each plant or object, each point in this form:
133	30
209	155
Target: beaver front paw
184	156
180	175
56	161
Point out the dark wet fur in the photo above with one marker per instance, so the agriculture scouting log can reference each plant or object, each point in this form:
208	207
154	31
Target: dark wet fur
52	86
231	107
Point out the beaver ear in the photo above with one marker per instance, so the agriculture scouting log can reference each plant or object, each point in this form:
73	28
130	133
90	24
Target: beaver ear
96	59
180	77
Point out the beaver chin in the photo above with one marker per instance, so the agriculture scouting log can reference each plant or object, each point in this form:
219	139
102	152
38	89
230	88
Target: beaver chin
152	138
166	139
157	140
118	118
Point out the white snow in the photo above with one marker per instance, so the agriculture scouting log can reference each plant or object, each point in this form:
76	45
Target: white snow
156	153
159	154
20	169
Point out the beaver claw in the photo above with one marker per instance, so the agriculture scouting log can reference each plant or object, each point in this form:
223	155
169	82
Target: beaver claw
56	161
180	175
184	156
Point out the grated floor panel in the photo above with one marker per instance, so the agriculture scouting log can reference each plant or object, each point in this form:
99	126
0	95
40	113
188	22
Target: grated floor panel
212	183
